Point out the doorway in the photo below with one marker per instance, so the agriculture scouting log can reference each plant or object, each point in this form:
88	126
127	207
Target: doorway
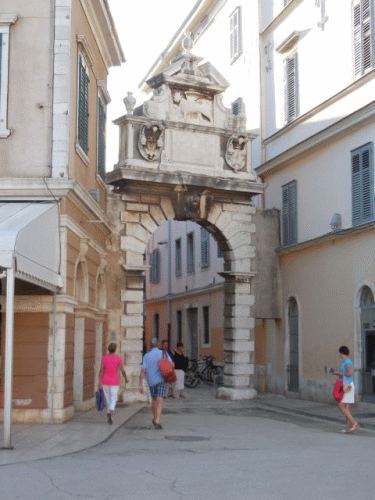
368	344
293	367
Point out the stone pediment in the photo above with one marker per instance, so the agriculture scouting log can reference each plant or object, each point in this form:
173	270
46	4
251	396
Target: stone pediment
187	72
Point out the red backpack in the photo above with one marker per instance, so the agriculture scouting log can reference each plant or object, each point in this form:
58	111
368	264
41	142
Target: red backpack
167	371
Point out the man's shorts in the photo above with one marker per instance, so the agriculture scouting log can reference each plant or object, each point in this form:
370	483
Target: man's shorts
159	390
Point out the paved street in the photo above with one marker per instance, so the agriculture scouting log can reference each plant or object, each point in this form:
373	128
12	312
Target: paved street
208	449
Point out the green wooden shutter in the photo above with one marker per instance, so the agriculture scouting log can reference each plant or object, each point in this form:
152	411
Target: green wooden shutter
205	248
290	88
101	139
362	42
289	213
83	107
362	185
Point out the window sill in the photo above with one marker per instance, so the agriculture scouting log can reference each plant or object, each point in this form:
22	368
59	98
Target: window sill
82	155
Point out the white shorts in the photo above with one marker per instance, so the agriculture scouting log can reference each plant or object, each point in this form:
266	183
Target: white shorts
349	396
180	374
110	394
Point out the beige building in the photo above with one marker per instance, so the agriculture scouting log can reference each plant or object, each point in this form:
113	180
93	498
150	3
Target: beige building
305	72
54	232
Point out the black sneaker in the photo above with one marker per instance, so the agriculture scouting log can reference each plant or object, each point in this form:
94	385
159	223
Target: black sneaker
110	418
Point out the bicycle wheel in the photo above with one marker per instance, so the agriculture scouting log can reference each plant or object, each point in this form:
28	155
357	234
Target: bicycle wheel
216	370
191	379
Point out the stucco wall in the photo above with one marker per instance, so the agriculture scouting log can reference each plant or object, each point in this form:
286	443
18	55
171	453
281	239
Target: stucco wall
89	360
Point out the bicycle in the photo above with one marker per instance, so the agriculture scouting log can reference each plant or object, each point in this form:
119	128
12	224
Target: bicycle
204	371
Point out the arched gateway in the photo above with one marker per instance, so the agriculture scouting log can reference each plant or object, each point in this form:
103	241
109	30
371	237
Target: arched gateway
184	156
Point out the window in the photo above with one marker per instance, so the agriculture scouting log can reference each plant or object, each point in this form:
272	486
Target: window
362	185
178	257
220	253
206	325
235	27
179	326
83	105
205	248
289	213
156	326
190	253
290	88
155	266
362	36
101	138
5	21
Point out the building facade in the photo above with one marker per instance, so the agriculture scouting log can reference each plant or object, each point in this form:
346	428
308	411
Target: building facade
305	72
184	297
55	57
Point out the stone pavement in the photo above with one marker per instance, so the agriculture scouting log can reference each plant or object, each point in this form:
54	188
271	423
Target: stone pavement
87	429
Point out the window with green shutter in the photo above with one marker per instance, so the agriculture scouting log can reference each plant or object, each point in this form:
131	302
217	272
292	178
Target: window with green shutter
178	257
83	105
205	247
190	253
289	213
155	266
362	185
101	139
290	88
362	36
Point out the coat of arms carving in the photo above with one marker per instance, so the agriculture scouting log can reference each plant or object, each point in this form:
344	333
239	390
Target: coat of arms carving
151	141
235	154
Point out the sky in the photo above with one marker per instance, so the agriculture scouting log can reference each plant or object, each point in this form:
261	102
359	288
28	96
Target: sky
144	27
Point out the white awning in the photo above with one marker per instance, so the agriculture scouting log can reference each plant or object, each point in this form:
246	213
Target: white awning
30	239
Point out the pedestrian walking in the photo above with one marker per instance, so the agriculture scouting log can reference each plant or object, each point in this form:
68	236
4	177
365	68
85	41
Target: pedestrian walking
181	363
109	378
158	386
168	354
345	372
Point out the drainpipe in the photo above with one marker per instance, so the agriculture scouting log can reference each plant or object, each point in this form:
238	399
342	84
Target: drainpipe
169	278
51	86
8	373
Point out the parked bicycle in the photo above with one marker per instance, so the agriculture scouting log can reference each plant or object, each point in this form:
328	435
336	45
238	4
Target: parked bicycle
205	371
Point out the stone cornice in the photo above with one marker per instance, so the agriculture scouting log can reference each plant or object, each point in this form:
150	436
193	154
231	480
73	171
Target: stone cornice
103	28
86	49
102	87
359	117
327	238
188	294
7	19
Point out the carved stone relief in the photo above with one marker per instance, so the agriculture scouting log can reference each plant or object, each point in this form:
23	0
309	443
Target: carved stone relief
191	107
151	141
235	154
191	205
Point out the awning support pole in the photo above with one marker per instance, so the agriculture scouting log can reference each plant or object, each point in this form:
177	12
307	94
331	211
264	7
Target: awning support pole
8	376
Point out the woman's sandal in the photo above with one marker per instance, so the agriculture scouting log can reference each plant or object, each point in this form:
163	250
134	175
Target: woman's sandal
354	428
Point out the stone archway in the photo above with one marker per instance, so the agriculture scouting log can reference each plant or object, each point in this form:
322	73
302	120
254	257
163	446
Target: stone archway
184	156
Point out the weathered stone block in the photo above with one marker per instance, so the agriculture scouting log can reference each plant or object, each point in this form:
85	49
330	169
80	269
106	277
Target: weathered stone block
132	244
134	308
129	217
236	299
238	345
131	346
134	282
242	265
130	197
230	311
237	380
238	322
236	357
134	258
153	200
137	207
148	222
133	333
137	231
223	221
167	208
239	369
157	214
134	320
237	207
237	333
132	296
214	213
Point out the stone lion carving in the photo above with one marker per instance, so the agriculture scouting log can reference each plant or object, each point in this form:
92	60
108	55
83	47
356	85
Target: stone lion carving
235	154
151	141
192	107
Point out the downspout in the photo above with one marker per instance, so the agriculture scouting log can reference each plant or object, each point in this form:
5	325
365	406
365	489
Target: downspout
169	278
8	372
53	355
51	86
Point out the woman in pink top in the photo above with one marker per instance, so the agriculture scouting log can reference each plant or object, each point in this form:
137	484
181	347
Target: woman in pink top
109	378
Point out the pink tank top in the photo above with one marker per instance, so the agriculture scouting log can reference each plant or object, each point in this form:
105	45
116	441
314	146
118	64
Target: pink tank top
110	363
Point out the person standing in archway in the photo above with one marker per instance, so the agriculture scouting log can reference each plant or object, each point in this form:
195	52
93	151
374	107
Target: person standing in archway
158	386
109	378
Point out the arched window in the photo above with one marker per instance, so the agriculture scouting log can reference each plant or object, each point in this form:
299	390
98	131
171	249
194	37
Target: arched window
80	283
293	367
101	300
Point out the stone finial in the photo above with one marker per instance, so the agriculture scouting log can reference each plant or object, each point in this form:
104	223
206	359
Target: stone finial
129	102
187	43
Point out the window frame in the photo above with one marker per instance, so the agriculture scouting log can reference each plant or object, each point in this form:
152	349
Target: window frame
362	179
6	20
178	257
289	214
190	250
155	266
83	142
205	248
360	38
291	93
101	137
235	34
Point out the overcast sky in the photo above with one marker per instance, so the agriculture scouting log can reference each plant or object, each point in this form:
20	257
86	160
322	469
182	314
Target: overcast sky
144	27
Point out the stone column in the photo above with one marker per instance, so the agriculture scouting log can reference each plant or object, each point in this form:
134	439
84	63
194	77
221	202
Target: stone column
238	338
